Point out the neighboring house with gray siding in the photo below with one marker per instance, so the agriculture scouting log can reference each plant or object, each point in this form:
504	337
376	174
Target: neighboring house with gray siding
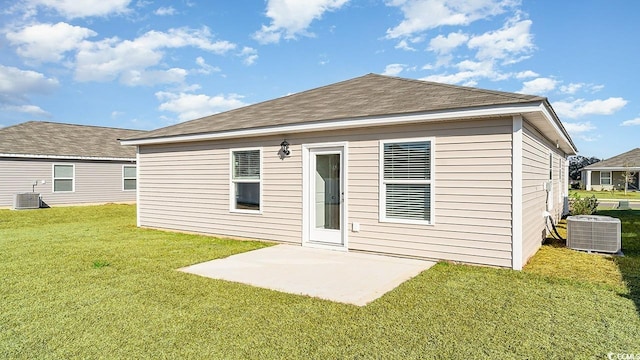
609	174
67	164
376	163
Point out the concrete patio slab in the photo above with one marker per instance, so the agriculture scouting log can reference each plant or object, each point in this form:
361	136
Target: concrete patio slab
346	277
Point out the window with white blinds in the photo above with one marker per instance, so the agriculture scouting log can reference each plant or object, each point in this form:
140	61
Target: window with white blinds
246	180
406	189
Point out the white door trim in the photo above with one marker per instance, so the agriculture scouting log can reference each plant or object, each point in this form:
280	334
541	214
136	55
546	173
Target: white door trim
306	196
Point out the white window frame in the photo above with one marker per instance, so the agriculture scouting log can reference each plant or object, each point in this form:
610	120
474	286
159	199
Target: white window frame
54	178
382	213
129	178
232	182
610	179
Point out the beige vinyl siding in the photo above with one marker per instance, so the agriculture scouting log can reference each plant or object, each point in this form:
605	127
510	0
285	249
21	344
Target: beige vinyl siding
535	172
186	187
472	195
95	181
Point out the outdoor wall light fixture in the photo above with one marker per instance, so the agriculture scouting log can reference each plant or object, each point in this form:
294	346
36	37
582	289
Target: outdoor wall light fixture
284	148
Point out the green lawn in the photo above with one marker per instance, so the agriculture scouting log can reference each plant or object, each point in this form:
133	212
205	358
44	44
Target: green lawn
84	282
607	194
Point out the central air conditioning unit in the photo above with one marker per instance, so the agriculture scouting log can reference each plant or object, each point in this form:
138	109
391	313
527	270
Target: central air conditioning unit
26	201
594	233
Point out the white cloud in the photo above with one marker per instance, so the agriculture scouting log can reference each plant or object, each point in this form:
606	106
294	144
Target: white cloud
32	110
469	72
422	15
589	138
153	77
164	11
290	18
572	88
526	74
580	107
633	122
466	78
193	106
446	44
404	45
509	43
539	86
578	127
143	3
16	85
249	54
204	67
595	88
84	8
48	42
114	58
393	69
15	82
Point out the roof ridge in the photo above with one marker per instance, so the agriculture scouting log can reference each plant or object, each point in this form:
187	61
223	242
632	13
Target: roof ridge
469	88
70	124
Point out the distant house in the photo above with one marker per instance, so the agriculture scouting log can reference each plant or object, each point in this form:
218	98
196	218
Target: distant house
67	164
609	174
376	163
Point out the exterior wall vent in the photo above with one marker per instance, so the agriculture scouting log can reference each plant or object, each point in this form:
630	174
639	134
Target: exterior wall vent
26	201
594	233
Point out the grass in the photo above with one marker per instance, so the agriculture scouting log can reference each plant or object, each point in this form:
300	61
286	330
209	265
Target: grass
56	303
618	194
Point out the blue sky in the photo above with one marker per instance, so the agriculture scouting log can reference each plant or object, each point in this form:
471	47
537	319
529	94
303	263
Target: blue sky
146	64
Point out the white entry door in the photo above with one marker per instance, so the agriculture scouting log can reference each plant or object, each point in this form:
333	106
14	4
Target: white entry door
325	195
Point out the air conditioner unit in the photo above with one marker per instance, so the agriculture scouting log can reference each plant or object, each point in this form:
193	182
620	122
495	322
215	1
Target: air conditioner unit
26	201
593	233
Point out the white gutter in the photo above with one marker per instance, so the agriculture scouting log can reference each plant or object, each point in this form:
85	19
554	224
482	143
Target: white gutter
66	157
498	110
547	113
630	168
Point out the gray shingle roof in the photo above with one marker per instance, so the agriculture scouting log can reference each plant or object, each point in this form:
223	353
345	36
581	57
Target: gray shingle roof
630	158
56	139
369	95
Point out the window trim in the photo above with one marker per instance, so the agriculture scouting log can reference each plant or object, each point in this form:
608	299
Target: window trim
550	199
129	178
610	177
54	178
382	185
561	181
232	182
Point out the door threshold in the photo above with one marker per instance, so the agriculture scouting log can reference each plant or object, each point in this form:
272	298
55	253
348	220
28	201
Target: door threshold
326	246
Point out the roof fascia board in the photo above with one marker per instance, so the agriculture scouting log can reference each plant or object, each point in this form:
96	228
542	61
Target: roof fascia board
613	168
546	110
457	114
65	157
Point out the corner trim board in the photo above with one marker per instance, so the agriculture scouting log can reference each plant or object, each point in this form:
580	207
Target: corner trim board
516	193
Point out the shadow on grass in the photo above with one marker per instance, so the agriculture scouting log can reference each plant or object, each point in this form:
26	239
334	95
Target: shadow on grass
629	264
557	243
